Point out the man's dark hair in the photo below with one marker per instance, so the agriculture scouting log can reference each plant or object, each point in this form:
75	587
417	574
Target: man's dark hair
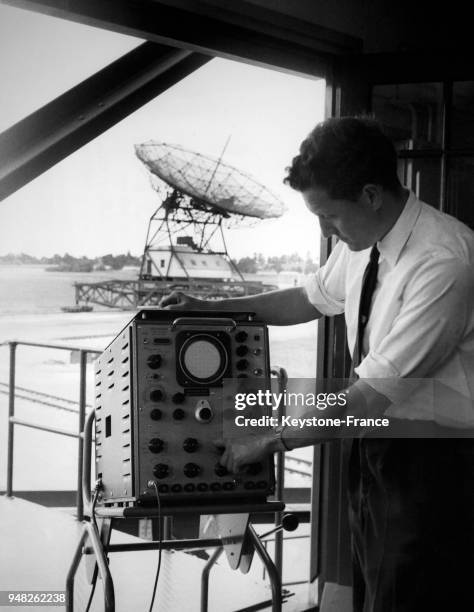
342	155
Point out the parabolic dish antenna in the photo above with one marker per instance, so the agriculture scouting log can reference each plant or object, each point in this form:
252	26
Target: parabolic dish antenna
209	181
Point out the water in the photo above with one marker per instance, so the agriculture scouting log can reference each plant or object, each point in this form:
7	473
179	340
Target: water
31	289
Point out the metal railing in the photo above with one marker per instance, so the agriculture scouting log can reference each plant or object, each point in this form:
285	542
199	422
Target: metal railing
13	420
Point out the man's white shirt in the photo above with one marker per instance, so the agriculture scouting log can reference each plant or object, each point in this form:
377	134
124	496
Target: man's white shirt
421	324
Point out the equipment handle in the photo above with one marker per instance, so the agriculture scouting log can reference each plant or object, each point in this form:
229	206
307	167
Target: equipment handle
86	463
202	321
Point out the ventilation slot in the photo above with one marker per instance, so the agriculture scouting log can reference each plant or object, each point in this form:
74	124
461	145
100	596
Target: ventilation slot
125	360
127	401
125	374
112	385
108	426
111	373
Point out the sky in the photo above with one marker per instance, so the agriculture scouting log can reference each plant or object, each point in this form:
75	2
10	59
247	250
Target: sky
99	199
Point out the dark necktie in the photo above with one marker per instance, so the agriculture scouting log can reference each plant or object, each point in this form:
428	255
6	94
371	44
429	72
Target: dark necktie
369	281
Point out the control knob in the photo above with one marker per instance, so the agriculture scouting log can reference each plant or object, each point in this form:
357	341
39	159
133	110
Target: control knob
191	470
154	361
220	470
190	445
242	364
156	395
156	445
161	470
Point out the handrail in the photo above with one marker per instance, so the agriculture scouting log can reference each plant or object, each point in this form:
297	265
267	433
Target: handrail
13	420
61	347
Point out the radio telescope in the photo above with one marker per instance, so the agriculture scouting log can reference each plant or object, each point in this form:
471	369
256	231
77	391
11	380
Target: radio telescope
185	246
200	197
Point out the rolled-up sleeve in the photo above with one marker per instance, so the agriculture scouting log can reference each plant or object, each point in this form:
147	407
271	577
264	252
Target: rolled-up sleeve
326	288
434	319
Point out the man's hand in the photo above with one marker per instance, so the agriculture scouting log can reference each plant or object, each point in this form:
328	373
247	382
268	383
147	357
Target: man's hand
239	452
181	301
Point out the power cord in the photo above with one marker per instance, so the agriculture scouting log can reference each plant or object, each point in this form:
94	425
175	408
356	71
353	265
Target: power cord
152	483
97	488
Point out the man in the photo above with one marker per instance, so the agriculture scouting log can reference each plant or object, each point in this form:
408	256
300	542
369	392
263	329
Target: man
402	273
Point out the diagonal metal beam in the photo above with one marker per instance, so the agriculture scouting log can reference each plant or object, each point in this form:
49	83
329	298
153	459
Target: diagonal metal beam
239	30
62	126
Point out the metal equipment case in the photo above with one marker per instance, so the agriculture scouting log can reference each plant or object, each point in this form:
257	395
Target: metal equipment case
164	391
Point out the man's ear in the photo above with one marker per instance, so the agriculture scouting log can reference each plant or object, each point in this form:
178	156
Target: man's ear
372	196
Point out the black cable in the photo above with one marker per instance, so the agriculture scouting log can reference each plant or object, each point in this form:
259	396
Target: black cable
152	483
91	596
98	486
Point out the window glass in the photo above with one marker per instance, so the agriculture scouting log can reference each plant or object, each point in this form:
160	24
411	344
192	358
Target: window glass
411	113
461	189
423	177
462	116
41	57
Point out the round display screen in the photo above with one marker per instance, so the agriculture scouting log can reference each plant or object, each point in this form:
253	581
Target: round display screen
203	358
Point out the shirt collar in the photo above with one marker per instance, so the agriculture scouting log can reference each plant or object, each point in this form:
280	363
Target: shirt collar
392	243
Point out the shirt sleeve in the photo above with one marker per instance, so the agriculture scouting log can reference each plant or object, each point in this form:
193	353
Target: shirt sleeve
435	315
326	288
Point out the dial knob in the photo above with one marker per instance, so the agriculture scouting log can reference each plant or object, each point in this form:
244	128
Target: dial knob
156	445
178	398
220	470
191	470
161	470
241	336
242	364
190	445
242	350
156	395
154	361
155	414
